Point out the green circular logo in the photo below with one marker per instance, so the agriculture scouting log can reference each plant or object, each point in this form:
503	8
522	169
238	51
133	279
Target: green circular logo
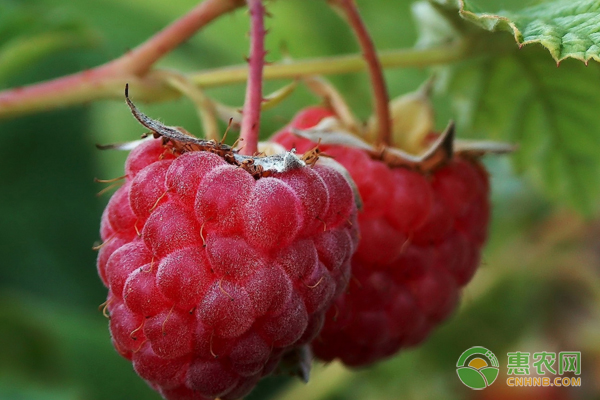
477	368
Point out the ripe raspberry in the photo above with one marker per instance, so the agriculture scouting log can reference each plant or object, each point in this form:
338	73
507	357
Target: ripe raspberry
421	238
215	273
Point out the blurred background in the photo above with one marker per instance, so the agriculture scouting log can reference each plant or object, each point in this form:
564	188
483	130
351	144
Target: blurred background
537	288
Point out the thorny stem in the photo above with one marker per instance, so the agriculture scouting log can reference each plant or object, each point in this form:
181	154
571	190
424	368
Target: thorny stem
252	104
132	66
72	89
380	94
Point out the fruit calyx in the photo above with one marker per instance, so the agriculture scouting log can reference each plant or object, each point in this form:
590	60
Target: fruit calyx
436	156
182	141
427	152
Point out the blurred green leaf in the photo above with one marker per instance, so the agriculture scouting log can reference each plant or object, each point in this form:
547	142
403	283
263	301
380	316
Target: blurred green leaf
23	51
26	390
61	352
28	35
519	95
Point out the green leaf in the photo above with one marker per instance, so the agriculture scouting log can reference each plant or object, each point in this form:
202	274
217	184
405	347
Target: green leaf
551	113
518	94
567	28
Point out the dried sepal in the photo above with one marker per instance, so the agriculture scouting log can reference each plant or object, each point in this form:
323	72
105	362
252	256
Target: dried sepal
177	135
478	148
297	362
412	120
332	131
205	107
439	154
182	141
413	125
313	155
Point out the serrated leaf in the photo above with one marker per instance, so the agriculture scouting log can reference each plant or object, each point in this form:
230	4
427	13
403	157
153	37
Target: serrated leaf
519	95
567	28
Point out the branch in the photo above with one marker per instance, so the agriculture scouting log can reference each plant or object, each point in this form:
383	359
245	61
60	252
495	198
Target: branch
380	94
94	85
108	80
252	104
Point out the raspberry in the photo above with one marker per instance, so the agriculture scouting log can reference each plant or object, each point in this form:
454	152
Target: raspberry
215	273
421	238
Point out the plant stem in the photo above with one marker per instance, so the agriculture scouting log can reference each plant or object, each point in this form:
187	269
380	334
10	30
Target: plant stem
252	104
341	64
380	93
96	85
108	80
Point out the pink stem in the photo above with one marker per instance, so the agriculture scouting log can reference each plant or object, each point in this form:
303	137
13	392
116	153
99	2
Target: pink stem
75	88
380	94
253	102
86	85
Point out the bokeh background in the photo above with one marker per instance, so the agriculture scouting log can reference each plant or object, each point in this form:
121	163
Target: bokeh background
537	288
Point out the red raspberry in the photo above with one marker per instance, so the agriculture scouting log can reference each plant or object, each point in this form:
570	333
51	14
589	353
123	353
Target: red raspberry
421	238
214	274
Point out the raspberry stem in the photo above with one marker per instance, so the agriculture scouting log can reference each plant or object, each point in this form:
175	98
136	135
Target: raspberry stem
131	67
380	94
97	85
342	64
252	104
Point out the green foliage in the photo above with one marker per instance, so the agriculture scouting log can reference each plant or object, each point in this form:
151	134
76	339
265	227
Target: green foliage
567	28
29	34
518	94
61	352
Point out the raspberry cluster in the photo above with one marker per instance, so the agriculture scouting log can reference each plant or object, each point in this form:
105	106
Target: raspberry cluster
421	238
214	274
